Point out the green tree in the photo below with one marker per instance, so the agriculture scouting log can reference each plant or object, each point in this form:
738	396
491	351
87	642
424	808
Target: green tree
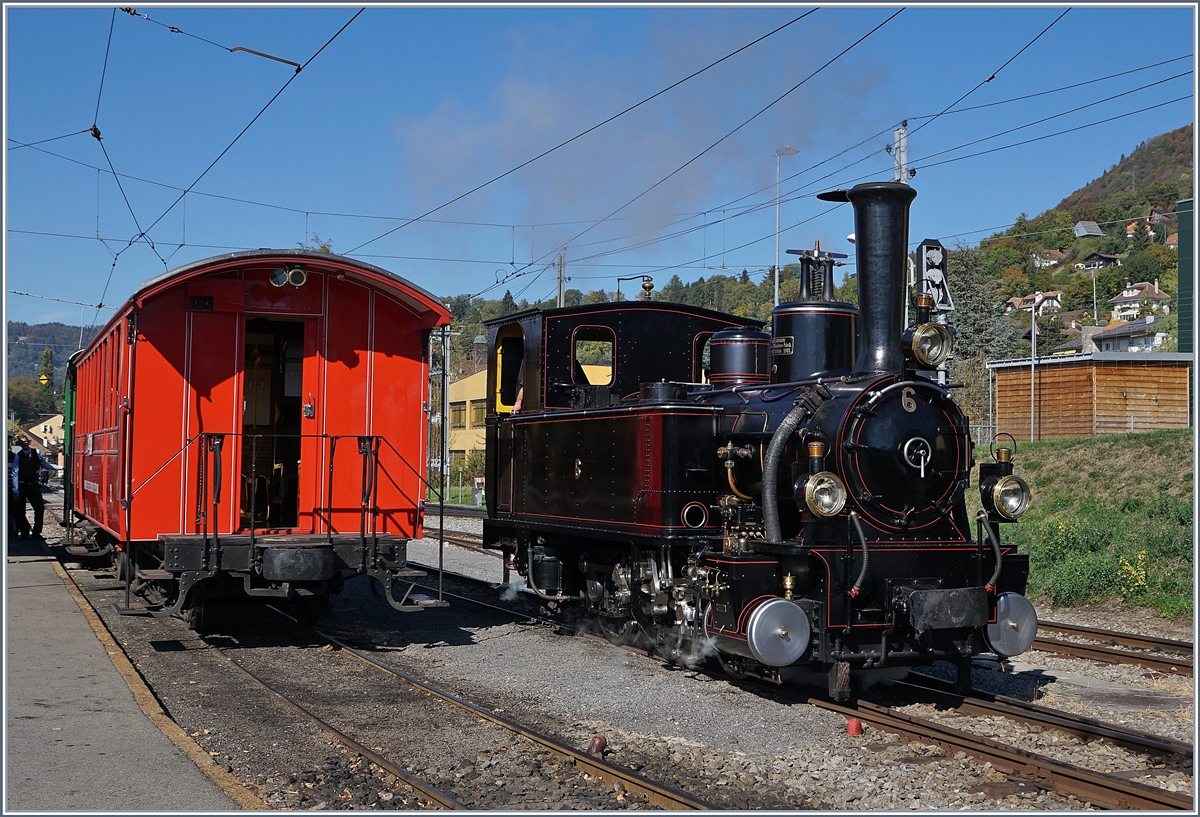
1141	237
1142	266
981	331
596	296
317	244
22	396
44	400
498	309
475	463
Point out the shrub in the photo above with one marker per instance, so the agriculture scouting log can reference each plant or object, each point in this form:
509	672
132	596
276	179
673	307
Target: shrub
1083	579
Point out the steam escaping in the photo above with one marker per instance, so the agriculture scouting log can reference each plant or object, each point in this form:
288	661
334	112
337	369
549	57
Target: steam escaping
513	590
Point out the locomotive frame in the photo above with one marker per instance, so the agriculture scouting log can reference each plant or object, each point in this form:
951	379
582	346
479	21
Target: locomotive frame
800	515
255	424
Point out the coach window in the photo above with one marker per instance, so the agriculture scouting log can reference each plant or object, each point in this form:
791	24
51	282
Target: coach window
592	356
510	370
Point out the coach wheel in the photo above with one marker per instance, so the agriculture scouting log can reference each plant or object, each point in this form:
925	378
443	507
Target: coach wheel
193	614
308	609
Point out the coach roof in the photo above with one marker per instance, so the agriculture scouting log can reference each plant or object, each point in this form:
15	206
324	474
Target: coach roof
204	265
423	301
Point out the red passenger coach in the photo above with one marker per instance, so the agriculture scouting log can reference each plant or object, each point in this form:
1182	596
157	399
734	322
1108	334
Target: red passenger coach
256	424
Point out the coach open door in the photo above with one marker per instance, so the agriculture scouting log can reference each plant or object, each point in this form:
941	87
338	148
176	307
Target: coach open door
273	413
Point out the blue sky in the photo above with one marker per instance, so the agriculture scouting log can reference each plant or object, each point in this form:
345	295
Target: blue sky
409	108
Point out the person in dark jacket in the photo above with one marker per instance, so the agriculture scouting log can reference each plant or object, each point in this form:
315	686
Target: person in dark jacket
18	525
30	463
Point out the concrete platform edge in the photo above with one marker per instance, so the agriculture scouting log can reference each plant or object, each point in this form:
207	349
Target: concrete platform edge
233	787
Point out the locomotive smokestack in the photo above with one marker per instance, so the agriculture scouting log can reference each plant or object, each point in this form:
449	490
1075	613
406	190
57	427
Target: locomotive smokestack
881	230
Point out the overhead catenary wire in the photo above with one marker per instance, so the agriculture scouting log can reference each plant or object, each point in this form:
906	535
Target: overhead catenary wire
759	113
992	76
16	144
236	138
174	30
104	68
60	300
586	132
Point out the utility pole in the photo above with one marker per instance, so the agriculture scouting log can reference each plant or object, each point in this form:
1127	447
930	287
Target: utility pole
900	151
562	269
1032	367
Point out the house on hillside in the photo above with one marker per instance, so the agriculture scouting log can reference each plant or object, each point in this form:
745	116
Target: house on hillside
1132	227
1136	336
1127	305
1082	341
1157	215
46	435
1041	302
1047	258
1071	320
1099	260
1172	241
1086	228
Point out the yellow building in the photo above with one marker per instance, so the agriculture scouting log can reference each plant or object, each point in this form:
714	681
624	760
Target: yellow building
468	408
468	412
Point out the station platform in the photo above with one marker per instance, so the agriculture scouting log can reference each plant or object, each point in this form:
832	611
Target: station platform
81	730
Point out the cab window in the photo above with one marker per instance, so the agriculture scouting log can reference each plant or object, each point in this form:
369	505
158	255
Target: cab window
592	350
510	366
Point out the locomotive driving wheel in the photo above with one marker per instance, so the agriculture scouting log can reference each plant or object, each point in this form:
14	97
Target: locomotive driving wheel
619	631
605	592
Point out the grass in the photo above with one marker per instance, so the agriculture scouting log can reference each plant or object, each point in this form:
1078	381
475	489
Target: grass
1111	517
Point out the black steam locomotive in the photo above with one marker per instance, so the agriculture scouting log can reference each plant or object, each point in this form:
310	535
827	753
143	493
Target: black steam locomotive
799	516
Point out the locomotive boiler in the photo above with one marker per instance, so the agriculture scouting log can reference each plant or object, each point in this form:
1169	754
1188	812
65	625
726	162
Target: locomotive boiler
789	503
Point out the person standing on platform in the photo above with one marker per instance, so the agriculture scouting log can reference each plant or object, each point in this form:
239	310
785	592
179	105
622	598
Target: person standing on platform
18	525
30	463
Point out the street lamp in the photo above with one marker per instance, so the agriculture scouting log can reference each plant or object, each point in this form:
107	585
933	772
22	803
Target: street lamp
785	150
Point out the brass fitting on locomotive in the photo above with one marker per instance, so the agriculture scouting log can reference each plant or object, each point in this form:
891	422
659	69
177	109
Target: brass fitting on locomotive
1003	495
822	492
927	345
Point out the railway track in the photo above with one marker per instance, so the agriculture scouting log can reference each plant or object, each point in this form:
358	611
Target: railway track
441	788
657	795
938	692
1103	644
1102	789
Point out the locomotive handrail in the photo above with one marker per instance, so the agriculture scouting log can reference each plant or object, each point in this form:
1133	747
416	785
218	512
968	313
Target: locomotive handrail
917	381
